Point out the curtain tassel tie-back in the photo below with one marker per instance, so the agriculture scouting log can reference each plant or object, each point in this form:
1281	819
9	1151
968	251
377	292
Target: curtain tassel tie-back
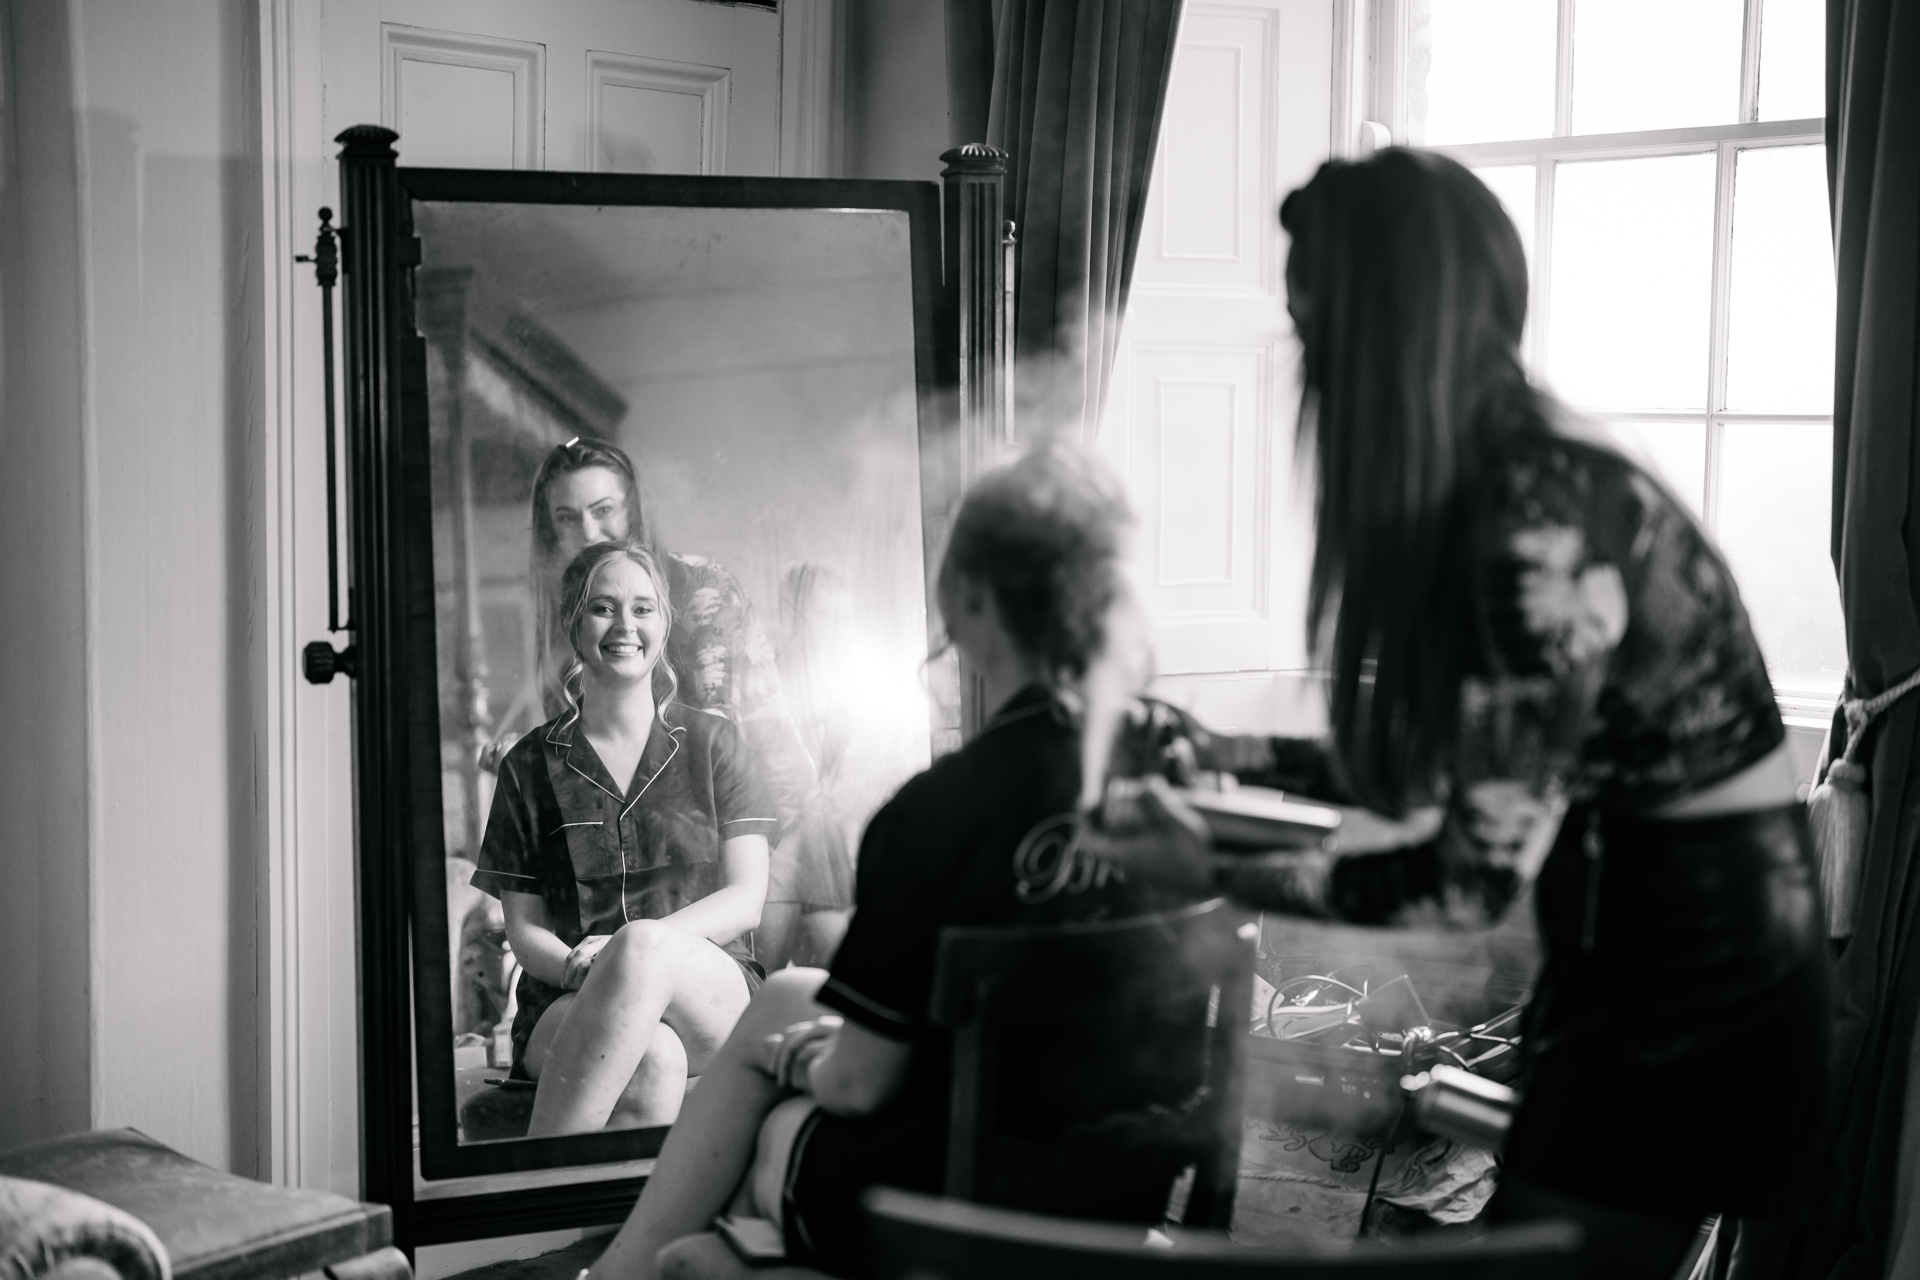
1837	810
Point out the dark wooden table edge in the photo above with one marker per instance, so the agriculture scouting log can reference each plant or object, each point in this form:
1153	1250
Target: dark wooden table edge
519	1212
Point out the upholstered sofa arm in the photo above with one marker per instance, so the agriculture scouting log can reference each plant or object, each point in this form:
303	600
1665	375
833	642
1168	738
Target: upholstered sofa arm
48	1231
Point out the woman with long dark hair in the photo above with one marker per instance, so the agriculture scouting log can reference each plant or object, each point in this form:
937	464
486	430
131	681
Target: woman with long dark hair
1530	639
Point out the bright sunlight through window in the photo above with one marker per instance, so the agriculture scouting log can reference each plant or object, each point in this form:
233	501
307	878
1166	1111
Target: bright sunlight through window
1663	161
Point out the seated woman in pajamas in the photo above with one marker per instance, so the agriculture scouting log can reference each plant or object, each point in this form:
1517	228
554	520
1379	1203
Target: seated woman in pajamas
628	846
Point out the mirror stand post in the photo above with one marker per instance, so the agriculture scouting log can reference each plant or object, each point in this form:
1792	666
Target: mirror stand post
979	268
377	372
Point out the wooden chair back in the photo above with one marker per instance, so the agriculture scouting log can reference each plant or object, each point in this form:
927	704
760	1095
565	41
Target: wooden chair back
1093	1062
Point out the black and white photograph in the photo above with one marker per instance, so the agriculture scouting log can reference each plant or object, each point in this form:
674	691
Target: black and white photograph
959	639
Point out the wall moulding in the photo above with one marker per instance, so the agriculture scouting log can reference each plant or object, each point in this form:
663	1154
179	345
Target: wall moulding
711	85
524	61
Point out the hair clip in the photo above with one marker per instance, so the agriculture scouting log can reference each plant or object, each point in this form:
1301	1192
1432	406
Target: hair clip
569	444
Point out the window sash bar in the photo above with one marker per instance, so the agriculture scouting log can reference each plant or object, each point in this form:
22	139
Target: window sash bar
1695	415
1597	146
1750	63
1563	70
1717	328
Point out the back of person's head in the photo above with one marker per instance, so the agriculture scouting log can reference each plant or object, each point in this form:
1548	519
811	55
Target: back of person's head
1408	286
1045	536
577	582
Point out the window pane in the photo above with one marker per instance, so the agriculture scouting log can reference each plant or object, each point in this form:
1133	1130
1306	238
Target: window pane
1675	452
1480	70
1632	278
1655	64
1775	495
1514	184
1793	59
1780	313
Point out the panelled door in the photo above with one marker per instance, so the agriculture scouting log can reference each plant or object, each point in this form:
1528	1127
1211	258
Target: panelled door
1200	418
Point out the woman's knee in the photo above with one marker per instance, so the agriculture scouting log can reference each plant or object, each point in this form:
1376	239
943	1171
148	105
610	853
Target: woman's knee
639	950
783	999
704	1256
786	997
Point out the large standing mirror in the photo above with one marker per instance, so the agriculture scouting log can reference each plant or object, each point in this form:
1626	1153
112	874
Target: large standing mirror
739	376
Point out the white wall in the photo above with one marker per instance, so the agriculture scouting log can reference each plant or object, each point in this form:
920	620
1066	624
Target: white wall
131	656
44	814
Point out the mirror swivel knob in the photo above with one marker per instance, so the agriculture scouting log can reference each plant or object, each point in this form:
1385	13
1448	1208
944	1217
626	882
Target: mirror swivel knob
321	662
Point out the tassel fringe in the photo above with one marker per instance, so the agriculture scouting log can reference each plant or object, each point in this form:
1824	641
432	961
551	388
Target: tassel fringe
1837	813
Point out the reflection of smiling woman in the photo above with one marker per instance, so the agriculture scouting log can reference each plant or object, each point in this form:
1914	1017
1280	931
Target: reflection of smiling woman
630	858
586	492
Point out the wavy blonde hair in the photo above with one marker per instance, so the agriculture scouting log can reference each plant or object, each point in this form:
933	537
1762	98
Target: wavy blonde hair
576	589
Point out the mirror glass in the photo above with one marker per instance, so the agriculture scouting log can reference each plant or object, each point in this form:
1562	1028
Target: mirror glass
757	368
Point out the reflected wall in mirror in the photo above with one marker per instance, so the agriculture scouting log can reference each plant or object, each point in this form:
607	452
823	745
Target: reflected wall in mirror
740	393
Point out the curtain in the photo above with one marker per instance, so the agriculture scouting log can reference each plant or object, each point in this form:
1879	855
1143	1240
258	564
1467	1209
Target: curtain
1873	163
1072	90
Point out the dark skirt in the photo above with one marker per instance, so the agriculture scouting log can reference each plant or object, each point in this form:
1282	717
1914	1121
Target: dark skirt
1677	1041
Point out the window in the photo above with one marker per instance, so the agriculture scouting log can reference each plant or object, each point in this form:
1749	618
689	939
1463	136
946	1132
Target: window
1663	160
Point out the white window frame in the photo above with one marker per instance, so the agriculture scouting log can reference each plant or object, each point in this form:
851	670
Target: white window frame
1805	705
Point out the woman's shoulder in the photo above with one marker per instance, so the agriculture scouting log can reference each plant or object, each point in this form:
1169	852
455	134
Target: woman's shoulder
532	746
701	728
1574	483
523	766
696	571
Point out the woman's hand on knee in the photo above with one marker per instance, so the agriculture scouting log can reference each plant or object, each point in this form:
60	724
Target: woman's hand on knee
788	1055
580	959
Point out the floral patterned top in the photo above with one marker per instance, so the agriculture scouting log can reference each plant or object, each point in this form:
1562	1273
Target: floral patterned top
1622	672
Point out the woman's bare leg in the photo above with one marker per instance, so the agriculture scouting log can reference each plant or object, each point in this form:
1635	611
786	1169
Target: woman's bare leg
653	1093
820	935
659	1083
710	1147
775	936
647	974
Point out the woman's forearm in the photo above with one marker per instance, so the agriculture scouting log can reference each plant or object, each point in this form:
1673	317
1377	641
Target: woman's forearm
722	915
540	952
858	1072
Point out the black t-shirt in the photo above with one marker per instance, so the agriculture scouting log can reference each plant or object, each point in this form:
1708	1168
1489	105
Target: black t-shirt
986	837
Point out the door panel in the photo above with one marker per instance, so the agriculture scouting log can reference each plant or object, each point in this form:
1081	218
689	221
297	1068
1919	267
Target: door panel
1201	417
468	101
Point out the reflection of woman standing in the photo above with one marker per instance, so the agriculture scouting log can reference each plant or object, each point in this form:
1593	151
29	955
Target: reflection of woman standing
630	856
815	872
586	492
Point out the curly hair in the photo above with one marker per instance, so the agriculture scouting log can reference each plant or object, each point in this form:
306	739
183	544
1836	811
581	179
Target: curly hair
576	589
1045	536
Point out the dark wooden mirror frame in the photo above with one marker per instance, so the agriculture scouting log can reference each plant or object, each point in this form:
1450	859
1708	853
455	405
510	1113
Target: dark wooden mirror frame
963	371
